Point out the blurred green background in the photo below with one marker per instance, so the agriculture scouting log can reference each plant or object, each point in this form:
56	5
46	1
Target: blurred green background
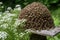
9	12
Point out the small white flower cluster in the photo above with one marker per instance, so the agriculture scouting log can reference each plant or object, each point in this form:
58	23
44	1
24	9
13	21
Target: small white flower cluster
18	22
4	26
1	3
9	21
9	8
6	18
1	7
3	35
21	34
17	7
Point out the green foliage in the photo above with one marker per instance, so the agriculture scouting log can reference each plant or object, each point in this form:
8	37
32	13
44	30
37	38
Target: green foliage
9	20
56	16
12	3
8	23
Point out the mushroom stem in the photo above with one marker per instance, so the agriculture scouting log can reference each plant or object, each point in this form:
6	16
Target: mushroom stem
37	37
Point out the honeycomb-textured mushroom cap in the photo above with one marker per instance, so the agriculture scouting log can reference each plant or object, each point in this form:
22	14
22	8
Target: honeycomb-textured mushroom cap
38	16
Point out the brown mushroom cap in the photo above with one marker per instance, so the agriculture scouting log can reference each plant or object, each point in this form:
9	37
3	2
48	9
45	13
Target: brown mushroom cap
38	17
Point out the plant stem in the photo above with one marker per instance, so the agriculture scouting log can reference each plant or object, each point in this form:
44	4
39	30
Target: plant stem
37	37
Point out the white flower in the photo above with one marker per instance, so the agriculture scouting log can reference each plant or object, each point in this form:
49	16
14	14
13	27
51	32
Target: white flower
9	15
17	22
2	20
0	15
9	19
15	30
9	8
1	3
4	26
2	6
17	7
4	17
6	12
3	35
21	34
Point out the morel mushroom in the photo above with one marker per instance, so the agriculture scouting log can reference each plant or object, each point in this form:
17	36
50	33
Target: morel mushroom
38	17
38	20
